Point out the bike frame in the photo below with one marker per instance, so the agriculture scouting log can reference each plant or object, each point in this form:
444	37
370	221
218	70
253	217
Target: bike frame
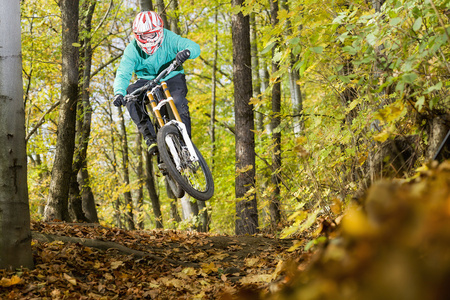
156	107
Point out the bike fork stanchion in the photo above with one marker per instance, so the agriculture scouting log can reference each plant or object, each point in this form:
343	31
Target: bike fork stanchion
171	103
154	105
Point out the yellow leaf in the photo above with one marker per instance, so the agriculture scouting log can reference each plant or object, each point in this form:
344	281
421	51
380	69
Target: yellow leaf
6	282
208	268
251	262
288	231
278	269
296	245
336	206
243	169
177	283
220	256
355	223
70	279
116	264
381	137
256	278
189	271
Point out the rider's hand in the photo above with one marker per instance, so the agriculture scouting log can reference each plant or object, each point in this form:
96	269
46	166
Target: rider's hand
118	100
182	56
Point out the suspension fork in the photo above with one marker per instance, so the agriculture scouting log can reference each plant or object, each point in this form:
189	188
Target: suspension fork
177	122
157	106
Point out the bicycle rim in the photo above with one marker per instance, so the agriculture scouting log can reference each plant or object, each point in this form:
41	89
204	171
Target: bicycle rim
194	177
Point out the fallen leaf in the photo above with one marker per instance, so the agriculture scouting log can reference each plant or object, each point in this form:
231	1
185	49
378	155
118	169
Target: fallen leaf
6	282
189	271
70	279
208	268
256	278
251	262
116	264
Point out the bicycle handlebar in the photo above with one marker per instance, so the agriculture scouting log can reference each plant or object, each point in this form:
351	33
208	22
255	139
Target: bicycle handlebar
175	64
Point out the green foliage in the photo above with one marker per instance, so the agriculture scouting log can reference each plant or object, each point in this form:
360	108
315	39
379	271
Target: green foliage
365	77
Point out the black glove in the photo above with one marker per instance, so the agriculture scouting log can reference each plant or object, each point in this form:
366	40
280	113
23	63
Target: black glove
119	100
182	56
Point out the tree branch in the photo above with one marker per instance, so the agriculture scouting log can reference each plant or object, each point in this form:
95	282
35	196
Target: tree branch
41	121
105	245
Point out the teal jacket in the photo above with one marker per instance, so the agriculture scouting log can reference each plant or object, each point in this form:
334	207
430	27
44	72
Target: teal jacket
148	66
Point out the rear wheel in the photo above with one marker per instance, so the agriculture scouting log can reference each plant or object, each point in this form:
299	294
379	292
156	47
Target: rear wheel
194	177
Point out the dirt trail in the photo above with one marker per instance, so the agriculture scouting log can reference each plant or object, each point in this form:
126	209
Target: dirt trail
90	262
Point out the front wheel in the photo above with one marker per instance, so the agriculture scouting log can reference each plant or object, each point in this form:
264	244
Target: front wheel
193	176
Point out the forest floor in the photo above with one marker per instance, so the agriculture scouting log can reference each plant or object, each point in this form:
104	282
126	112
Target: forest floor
394	243
88	261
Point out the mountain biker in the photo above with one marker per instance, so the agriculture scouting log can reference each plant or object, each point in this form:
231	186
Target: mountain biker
151	51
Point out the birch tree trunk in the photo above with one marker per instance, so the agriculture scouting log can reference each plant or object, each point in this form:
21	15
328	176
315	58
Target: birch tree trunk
275	200
15	235
296	95
194	209
246	204
57	202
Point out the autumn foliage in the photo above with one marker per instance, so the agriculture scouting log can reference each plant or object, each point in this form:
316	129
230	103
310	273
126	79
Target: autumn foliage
394	245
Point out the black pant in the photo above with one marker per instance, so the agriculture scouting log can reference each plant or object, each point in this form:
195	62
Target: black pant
178	90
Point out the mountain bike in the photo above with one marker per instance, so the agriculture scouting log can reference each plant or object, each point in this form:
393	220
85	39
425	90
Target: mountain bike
178	158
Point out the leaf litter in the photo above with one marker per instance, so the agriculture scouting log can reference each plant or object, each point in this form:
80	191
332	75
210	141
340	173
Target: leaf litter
394	243
180	264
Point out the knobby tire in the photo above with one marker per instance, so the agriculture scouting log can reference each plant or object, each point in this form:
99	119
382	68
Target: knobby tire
203	188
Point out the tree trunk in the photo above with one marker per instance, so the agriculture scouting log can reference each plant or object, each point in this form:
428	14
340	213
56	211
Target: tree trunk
437	130
15	235
161	10
186	208
174	27
212	127
87	196
150	183
146	5
205	218
174	20
83	123
255	57
246	205
126	175
141	178
84	128
57	202
296	95
275	200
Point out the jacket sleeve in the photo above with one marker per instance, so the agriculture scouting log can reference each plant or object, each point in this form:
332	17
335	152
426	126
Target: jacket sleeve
181	43
125	71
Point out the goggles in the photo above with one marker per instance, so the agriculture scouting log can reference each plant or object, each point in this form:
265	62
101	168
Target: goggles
148	36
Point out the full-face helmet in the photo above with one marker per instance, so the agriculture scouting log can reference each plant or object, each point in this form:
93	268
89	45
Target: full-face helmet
148	28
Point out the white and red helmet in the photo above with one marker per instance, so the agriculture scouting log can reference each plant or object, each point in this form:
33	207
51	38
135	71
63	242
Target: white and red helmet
148	28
